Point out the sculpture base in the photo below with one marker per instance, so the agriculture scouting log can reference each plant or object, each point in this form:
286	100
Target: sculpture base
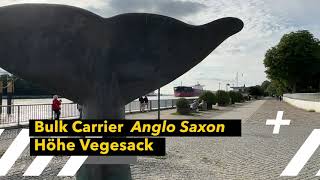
102	167
104	172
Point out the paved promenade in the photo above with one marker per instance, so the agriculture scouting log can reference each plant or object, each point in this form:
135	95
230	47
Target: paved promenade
241	111
258	154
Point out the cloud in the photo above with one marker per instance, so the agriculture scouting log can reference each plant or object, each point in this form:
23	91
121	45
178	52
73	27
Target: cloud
174	8
87	4
265	22
296	11
106	8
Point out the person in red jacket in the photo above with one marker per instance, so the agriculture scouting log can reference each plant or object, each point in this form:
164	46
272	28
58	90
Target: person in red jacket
56	107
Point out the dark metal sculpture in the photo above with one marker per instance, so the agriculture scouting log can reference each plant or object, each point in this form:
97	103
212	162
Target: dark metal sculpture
103	63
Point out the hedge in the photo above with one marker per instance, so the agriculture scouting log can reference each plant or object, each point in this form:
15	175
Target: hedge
223	98
183	106
208	97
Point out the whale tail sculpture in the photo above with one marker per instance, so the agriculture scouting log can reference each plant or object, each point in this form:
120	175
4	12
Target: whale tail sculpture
103	63
85	57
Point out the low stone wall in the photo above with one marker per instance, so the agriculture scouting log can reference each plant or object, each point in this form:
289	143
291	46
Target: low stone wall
306	101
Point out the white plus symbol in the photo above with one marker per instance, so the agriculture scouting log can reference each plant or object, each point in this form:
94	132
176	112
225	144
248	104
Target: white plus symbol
277	122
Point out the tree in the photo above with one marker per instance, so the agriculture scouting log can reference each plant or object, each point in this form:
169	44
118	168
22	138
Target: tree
294	61
223	98
264	87
276	88
208	97
236	97
256	91
265	84
182	105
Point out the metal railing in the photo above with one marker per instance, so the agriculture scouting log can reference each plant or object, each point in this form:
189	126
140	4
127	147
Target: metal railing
16	115
21	114
134	106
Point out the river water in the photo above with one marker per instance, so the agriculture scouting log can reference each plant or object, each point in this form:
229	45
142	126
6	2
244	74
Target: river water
25	109
49	100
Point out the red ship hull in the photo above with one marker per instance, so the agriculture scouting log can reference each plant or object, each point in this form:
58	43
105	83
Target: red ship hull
186	91
183	94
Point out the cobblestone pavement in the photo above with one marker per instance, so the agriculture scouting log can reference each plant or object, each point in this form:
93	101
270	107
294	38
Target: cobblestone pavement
258	154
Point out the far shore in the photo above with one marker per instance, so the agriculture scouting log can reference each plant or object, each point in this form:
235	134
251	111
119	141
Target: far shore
29	97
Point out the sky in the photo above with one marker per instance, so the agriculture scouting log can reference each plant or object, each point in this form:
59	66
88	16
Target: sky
265	21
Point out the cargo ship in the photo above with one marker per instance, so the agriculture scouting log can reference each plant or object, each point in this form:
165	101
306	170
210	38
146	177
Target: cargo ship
188	91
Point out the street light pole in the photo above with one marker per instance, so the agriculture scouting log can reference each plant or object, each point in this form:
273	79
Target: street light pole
159	104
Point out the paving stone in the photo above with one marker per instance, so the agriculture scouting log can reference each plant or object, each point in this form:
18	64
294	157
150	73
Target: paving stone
258	154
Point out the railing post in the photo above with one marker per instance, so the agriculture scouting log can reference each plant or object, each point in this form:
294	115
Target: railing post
151	105
18	115
130	107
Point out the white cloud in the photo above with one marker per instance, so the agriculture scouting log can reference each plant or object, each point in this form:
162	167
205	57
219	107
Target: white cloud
78	3
265	22
175	8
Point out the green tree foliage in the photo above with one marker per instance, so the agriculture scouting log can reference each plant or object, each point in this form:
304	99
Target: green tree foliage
264	86
256	91
295	61
276	88
223	98
183	106
236	97
209	97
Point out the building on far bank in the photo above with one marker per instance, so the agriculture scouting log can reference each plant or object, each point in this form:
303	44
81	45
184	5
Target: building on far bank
153	93
242	89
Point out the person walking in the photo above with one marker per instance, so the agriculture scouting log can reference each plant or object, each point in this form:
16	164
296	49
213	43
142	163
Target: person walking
141	100
146	101
79	107
194	106
56	107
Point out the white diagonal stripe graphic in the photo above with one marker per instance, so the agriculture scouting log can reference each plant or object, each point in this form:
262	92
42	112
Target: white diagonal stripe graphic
303	154
318	174
14	151
38	165
72	166
1	131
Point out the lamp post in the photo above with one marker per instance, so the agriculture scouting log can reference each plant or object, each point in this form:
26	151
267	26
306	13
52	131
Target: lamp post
10	90
1	91
159	104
